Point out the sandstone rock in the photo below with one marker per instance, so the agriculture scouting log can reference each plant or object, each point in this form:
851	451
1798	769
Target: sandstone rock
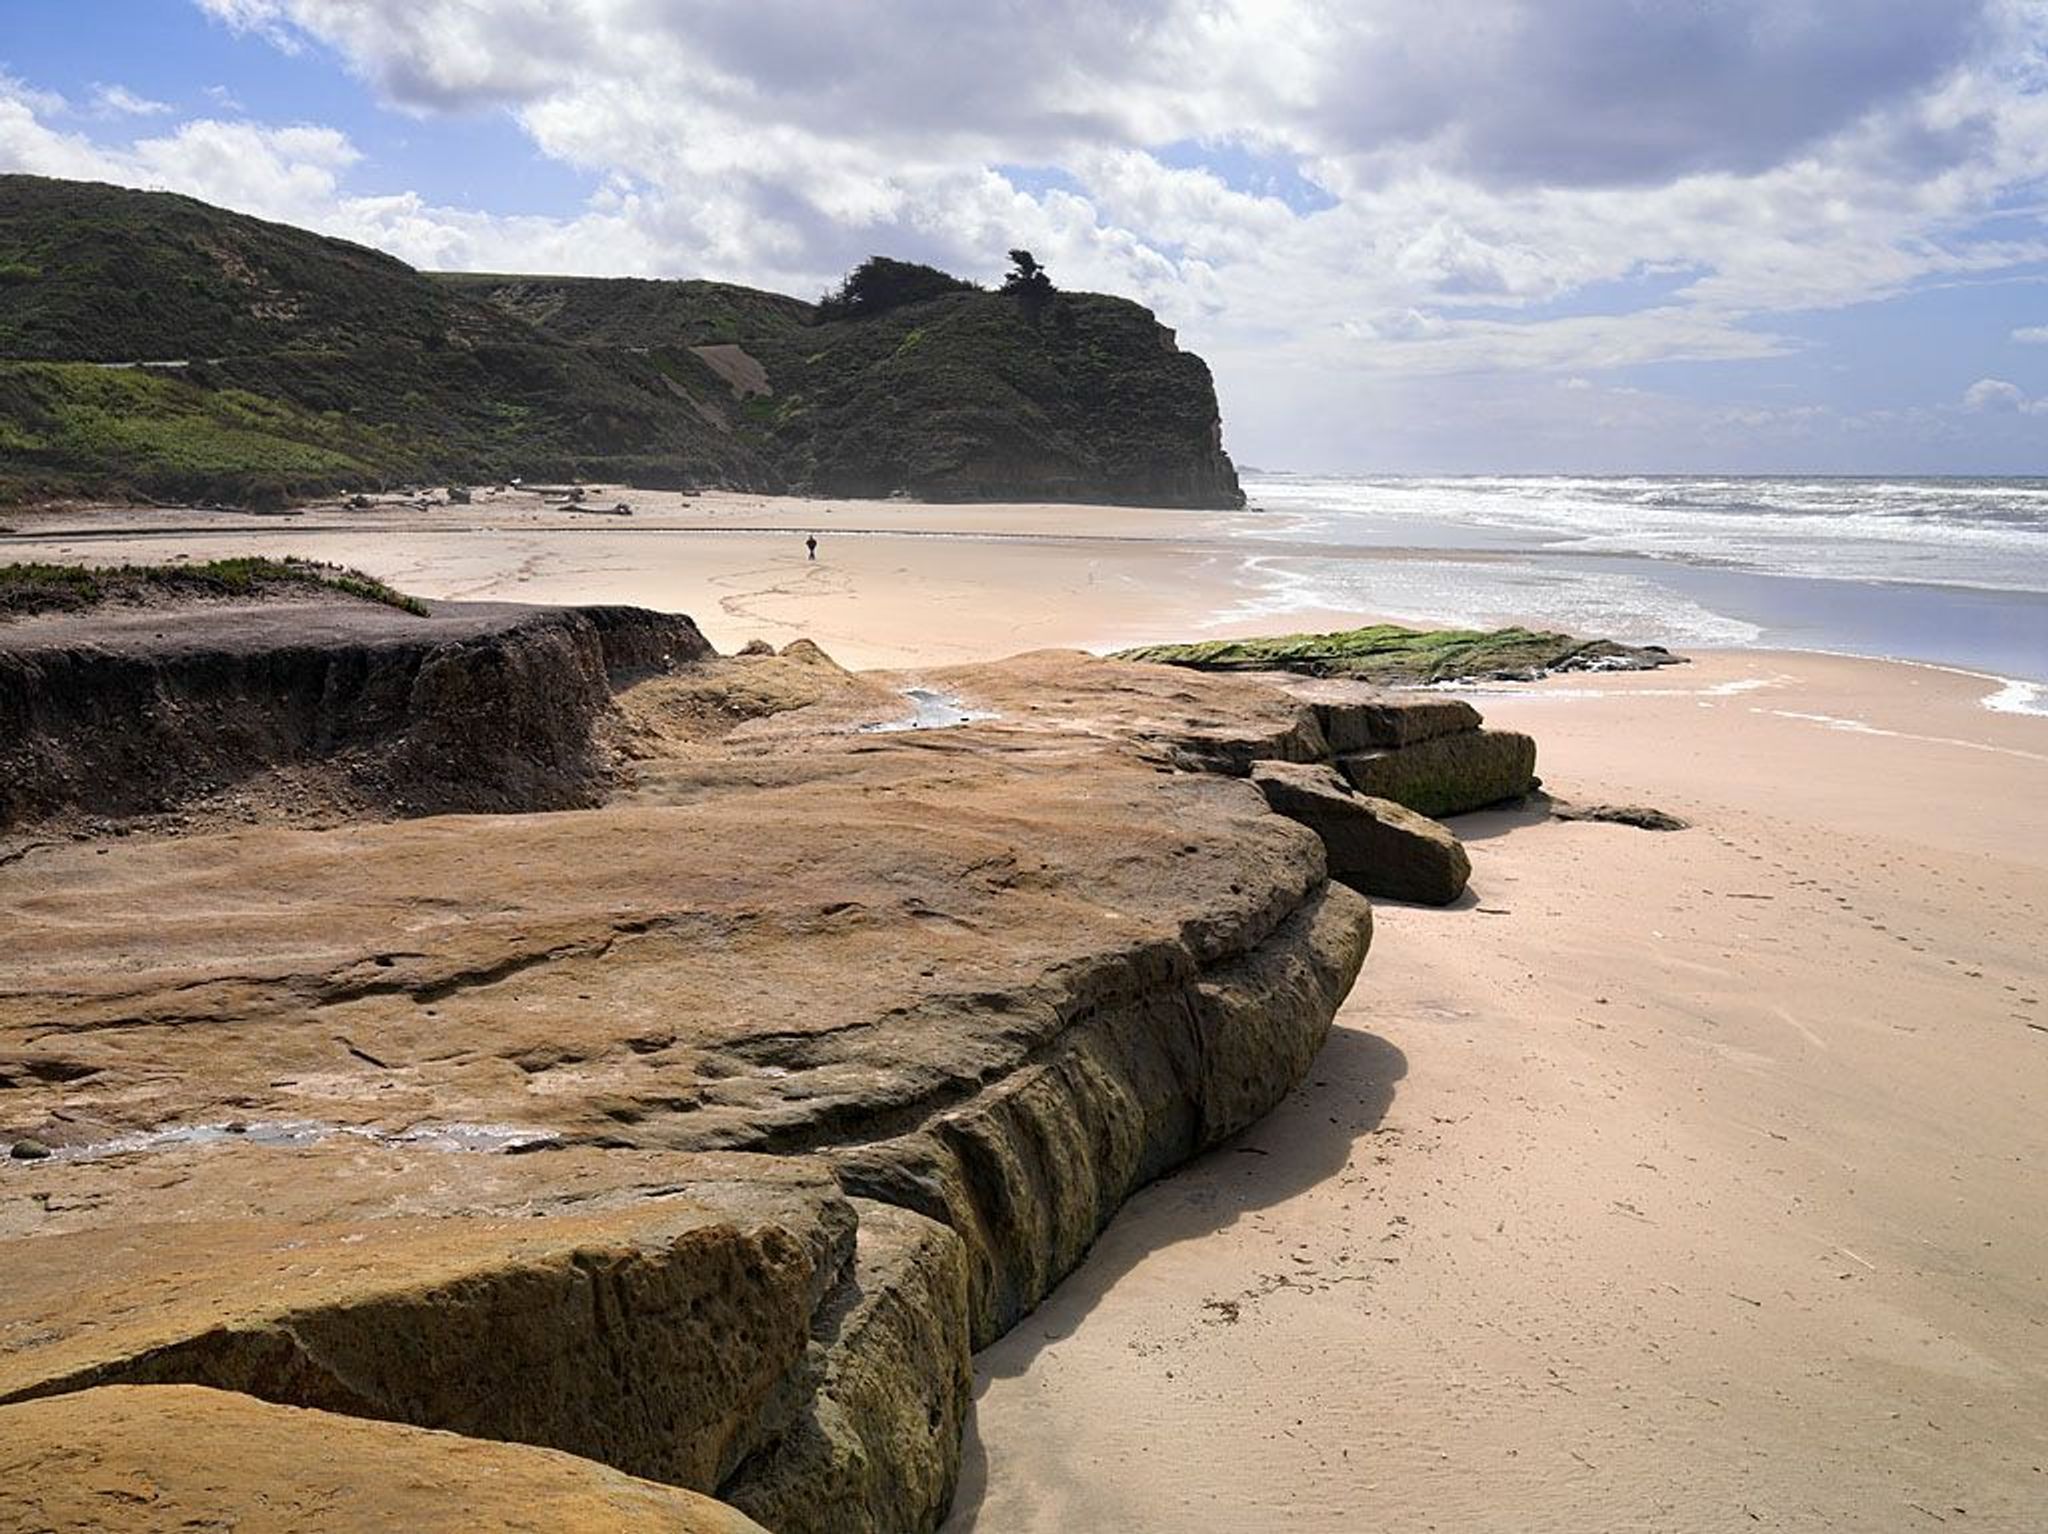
1642	816
1449	774
994	977
125	712
1030	1169
169	1459
1373	845
1358	717
842	941
876	1445
649	1312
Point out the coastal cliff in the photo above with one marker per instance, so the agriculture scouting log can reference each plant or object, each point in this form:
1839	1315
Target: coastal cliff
952	395
157	347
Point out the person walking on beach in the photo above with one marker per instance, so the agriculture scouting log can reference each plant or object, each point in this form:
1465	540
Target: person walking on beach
811	543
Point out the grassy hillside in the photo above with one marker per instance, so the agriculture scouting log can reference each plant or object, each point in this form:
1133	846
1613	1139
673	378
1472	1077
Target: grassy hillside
92	273
152	345
633	311
969	395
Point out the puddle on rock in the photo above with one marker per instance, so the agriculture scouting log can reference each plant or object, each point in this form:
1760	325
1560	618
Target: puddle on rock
930	710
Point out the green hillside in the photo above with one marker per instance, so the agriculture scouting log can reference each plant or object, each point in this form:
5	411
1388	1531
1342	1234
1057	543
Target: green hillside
94	273
633	311
968	395
154	346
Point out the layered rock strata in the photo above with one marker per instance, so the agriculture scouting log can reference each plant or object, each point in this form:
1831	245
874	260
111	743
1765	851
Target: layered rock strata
332	704
121	1458
1374	845
830	1043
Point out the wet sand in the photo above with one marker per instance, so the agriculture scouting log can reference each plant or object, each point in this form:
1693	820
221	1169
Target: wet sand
1671	1182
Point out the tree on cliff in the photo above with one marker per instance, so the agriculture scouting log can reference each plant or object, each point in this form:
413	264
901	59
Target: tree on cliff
879	284
1028	283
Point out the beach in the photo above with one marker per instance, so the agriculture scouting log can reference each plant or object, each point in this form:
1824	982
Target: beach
1681	1181
1671	1180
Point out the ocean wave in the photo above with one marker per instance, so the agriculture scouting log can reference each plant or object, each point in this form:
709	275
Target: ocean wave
1484	595
2015	697
1983	534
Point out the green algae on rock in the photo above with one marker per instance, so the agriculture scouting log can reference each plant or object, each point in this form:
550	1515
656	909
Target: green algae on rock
1386	652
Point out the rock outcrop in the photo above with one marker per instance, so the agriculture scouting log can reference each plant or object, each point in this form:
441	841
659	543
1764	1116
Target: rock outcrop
831	1043
122	1459
831	1030
1391	655
1374	845
1447	774
329	703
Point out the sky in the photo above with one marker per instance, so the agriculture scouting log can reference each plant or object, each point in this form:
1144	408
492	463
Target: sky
1409	236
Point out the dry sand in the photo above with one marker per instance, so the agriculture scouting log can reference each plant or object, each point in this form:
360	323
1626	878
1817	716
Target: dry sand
896	583
1683	1181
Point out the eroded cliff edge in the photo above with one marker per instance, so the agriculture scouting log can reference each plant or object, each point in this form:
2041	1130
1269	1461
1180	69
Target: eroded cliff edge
830	1044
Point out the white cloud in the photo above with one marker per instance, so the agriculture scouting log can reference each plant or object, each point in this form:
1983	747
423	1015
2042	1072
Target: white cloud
1996	396
119	101
265	18
2031	335
1718	163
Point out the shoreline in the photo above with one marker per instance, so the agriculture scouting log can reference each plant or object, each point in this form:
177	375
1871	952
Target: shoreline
1177	574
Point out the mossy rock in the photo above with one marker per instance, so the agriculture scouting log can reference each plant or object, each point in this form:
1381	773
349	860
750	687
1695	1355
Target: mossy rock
1388	653
1450	774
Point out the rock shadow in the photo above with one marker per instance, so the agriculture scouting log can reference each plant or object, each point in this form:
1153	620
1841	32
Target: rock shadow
1308	1138
1484	825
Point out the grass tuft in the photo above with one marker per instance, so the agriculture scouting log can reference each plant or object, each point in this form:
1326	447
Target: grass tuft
29	589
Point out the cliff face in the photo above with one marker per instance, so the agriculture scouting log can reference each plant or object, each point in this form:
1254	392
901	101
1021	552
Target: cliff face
962	396
155	345
344	702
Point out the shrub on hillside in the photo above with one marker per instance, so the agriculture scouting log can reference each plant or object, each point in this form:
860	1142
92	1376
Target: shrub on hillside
879	284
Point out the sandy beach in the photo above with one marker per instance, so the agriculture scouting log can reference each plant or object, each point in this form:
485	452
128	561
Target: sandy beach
1681	1181
1672	1181
895	583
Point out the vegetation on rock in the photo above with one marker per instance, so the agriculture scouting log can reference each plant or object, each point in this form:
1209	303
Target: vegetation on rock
35	588
1387	653
879	284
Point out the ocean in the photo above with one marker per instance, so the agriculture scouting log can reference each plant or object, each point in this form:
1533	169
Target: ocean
1949	572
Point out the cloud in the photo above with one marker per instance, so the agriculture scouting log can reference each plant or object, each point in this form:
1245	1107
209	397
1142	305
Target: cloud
2031	335
265	18
1995	396
1527	189
119	101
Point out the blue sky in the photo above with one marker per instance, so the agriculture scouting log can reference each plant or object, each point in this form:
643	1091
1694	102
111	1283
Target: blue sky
1409	235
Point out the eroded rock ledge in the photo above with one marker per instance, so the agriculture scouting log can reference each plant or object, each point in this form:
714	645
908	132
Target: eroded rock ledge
830	1044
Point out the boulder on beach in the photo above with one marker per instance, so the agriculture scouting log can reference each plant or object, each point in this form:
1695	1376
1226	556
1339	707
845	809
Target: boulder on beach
1374	845
1449	774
